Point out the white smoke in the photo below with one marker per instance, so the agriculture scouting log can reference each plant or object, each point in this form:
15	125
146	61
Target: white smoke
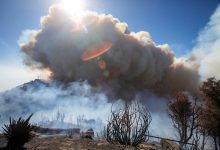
45	100
207	52
77	100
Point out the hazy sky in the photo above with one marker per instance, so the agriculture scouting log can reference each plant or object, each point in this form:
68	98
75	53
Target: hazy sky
176	23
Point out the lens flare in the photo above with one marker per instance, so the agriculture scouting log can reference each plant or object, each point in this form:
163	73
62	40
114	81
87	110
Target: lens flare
95	51
102	64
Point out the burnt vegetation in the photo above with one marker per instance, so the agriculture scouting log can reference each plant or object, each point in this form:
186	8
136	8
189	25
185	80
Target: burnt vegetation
197	121
128	126
185	114
210	118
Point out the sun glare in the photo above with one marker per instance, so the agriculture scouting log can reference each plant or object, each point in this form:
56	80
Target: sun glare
73	7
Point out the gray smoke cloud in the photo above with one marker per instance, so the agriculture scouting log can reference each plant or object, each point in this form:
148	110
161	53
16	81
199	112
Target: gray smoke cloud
134	61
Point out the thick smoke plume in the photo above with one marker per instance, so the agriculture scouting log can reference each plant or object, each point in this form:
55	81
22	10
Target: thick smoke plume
134	62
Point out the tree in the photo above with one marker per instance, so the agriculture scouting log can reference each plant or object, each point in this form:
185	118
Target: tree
199	136
211	115
211	91
210	124
184	116
128	126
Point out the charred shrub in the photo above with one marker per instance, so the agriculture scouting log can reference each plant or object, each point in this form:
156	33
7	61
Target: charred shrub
128	126
18	132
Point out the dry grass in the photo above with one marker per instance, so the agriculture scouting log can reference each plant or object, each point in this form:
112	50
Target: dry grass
65	143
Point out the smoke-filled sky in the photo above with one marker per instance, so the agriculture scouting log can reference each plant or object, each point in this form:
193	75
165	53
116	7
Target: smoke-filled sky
182	25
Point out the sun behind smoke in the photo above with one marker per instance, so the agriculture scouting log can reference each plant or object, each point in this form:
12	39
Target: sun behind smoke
73	7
